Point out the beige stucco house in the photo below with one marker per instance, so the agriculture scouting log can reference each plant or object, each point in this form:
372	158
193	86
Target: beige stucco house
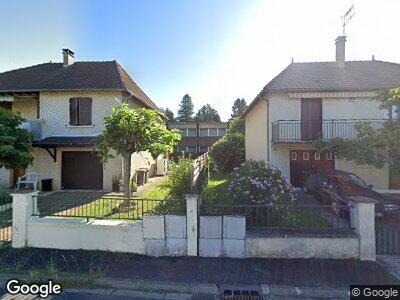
319	99
64	105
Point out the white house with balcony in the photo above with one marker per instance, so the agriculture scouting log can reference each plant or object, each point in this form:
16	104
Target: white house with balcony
307	101
64	105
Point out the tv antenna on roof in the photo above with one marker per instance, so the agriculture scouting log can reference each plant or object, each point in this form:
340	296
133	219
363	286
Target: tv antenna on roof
347	17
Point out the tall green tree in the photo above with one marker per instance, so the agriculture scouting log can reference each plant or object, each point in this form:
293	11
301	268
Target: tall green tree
207	114
238	107
169	114
372	147
130	130
15	143
185	112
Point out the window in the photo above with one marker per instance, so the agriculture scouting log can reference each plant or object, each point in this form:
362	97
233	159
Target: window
80	111
191	132
203	132
221	131
192	149
203	149
213	132
183	132
181	149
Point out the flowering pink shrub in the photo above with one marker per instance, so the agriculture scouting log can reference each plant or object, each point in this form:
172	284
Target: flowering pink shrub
258	182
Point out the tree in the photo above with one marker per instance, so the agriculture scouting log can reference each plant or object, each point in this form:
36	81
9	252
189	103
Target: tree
229	151
130	130
15	143
207	114
372	147
169	114
185	112
239	106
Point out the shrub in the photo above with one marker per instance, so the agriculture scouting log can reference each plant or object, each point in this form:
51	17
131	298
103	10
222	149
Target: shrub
257	182
134	185
179	179
229	151
5	197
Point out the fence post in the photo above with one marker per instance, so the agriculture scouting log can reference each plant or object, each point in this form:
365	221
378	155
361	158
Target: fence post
191	223
363	221
22	211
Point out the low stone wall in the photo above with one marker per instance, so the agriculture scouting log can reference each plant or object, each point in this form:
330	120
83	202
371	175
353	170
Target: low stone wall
63	233
303	247
222	236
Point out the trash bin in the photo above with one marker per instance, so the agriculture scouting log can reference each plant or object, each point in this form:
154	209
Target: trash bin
47	184
146	174
141	176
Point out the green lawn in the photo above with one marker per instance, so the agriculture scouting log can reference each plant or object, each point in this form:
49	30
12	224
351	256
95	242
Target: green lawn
215	191
102	205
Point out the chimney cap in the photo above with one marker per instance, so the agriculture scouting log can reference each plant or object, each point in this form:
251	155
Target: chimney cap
68	51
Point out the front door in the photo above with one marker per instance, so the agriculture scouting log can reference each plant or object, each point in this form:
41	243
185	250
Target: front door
311	119
305	162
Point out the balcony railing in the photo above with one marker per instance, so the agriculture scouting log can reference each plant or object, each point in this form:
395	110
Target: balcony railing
34	127
296	131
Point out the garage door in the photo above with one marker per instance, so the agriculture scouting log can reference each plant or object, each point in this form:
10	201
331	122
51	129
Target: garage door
81	170
304	162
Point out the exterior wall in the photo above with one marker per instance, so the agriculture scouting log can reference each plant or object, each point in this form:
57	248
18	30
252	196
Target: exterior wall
27	108
256	132
54	110
287	106
302	247
143	160
78	234
44	165
379	178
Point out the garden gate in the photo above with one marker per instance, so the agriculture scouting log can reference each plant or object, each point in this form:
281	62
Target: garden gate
387	232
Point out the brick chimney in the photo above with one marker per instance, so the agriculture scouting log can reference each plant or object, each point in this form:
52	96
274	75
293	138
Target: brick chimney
68	57
340	51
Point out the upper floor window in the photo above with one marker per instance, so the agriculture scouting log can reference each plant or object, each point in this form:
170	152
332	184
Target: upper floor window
80	111
221	131
191	132
212	132
203	132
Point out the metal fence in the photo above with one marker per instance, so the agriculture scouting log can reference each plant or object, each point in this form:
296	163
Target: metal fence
287	216
5	219
118	208
296	130
387	232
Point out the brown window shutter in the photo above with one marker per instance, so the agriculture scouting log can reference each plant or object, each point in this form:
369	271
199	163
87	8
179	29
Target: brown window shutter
73	111
85	111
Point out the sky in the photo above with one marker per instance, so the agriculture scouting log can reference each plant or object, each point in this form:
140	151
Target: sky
214	50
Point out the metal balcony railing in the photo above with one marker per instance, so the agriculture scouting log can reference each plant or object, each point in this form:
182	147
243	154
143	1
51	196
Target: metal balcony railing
34	127
296	131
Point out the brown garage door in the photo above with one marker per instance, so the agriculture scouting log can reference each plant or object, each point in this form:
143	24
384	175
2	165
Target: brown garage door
81	170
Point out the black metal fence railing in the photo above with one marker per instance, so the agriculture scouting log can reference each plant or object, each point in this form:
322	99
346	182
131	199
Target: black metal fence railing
300	131
332	218
103	208
5	219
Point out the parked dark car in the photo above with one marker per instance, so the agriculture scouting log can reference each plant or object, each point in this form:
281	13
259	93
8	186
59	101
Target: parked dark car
336	187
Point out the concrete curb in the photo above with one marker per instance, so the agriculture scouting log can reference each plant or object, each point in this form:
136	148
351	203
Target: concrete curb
178	290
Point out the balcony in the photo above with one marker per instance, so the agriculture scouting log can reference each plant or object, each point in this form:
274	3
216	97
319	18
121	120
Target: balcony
34	127
298	132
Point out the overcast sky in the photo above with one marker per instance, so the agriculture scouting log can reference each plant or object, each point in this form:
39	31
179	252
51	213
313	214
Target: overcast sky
215	50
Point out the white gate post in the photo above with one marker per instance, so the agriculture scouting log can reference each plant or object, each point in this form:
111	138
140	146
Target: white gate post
363	221
22	211
191	223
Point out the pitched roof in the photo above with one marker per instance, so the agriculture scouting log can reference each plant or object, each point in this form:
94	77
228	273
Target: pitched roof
327	76
105	75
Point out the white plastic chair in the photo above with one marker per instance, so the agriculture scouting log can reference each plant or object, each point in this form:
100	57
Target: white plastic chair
28	178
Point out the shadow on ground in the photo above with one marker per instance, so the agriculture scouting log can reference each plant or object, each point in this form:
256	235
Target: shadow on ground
298	272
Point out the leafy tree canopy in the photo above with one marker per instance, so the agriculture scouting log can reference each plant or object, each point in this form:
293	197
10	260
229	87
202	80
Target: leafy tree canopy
15	143
130	130
239	106
207	114
169	114
185	112
372	147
